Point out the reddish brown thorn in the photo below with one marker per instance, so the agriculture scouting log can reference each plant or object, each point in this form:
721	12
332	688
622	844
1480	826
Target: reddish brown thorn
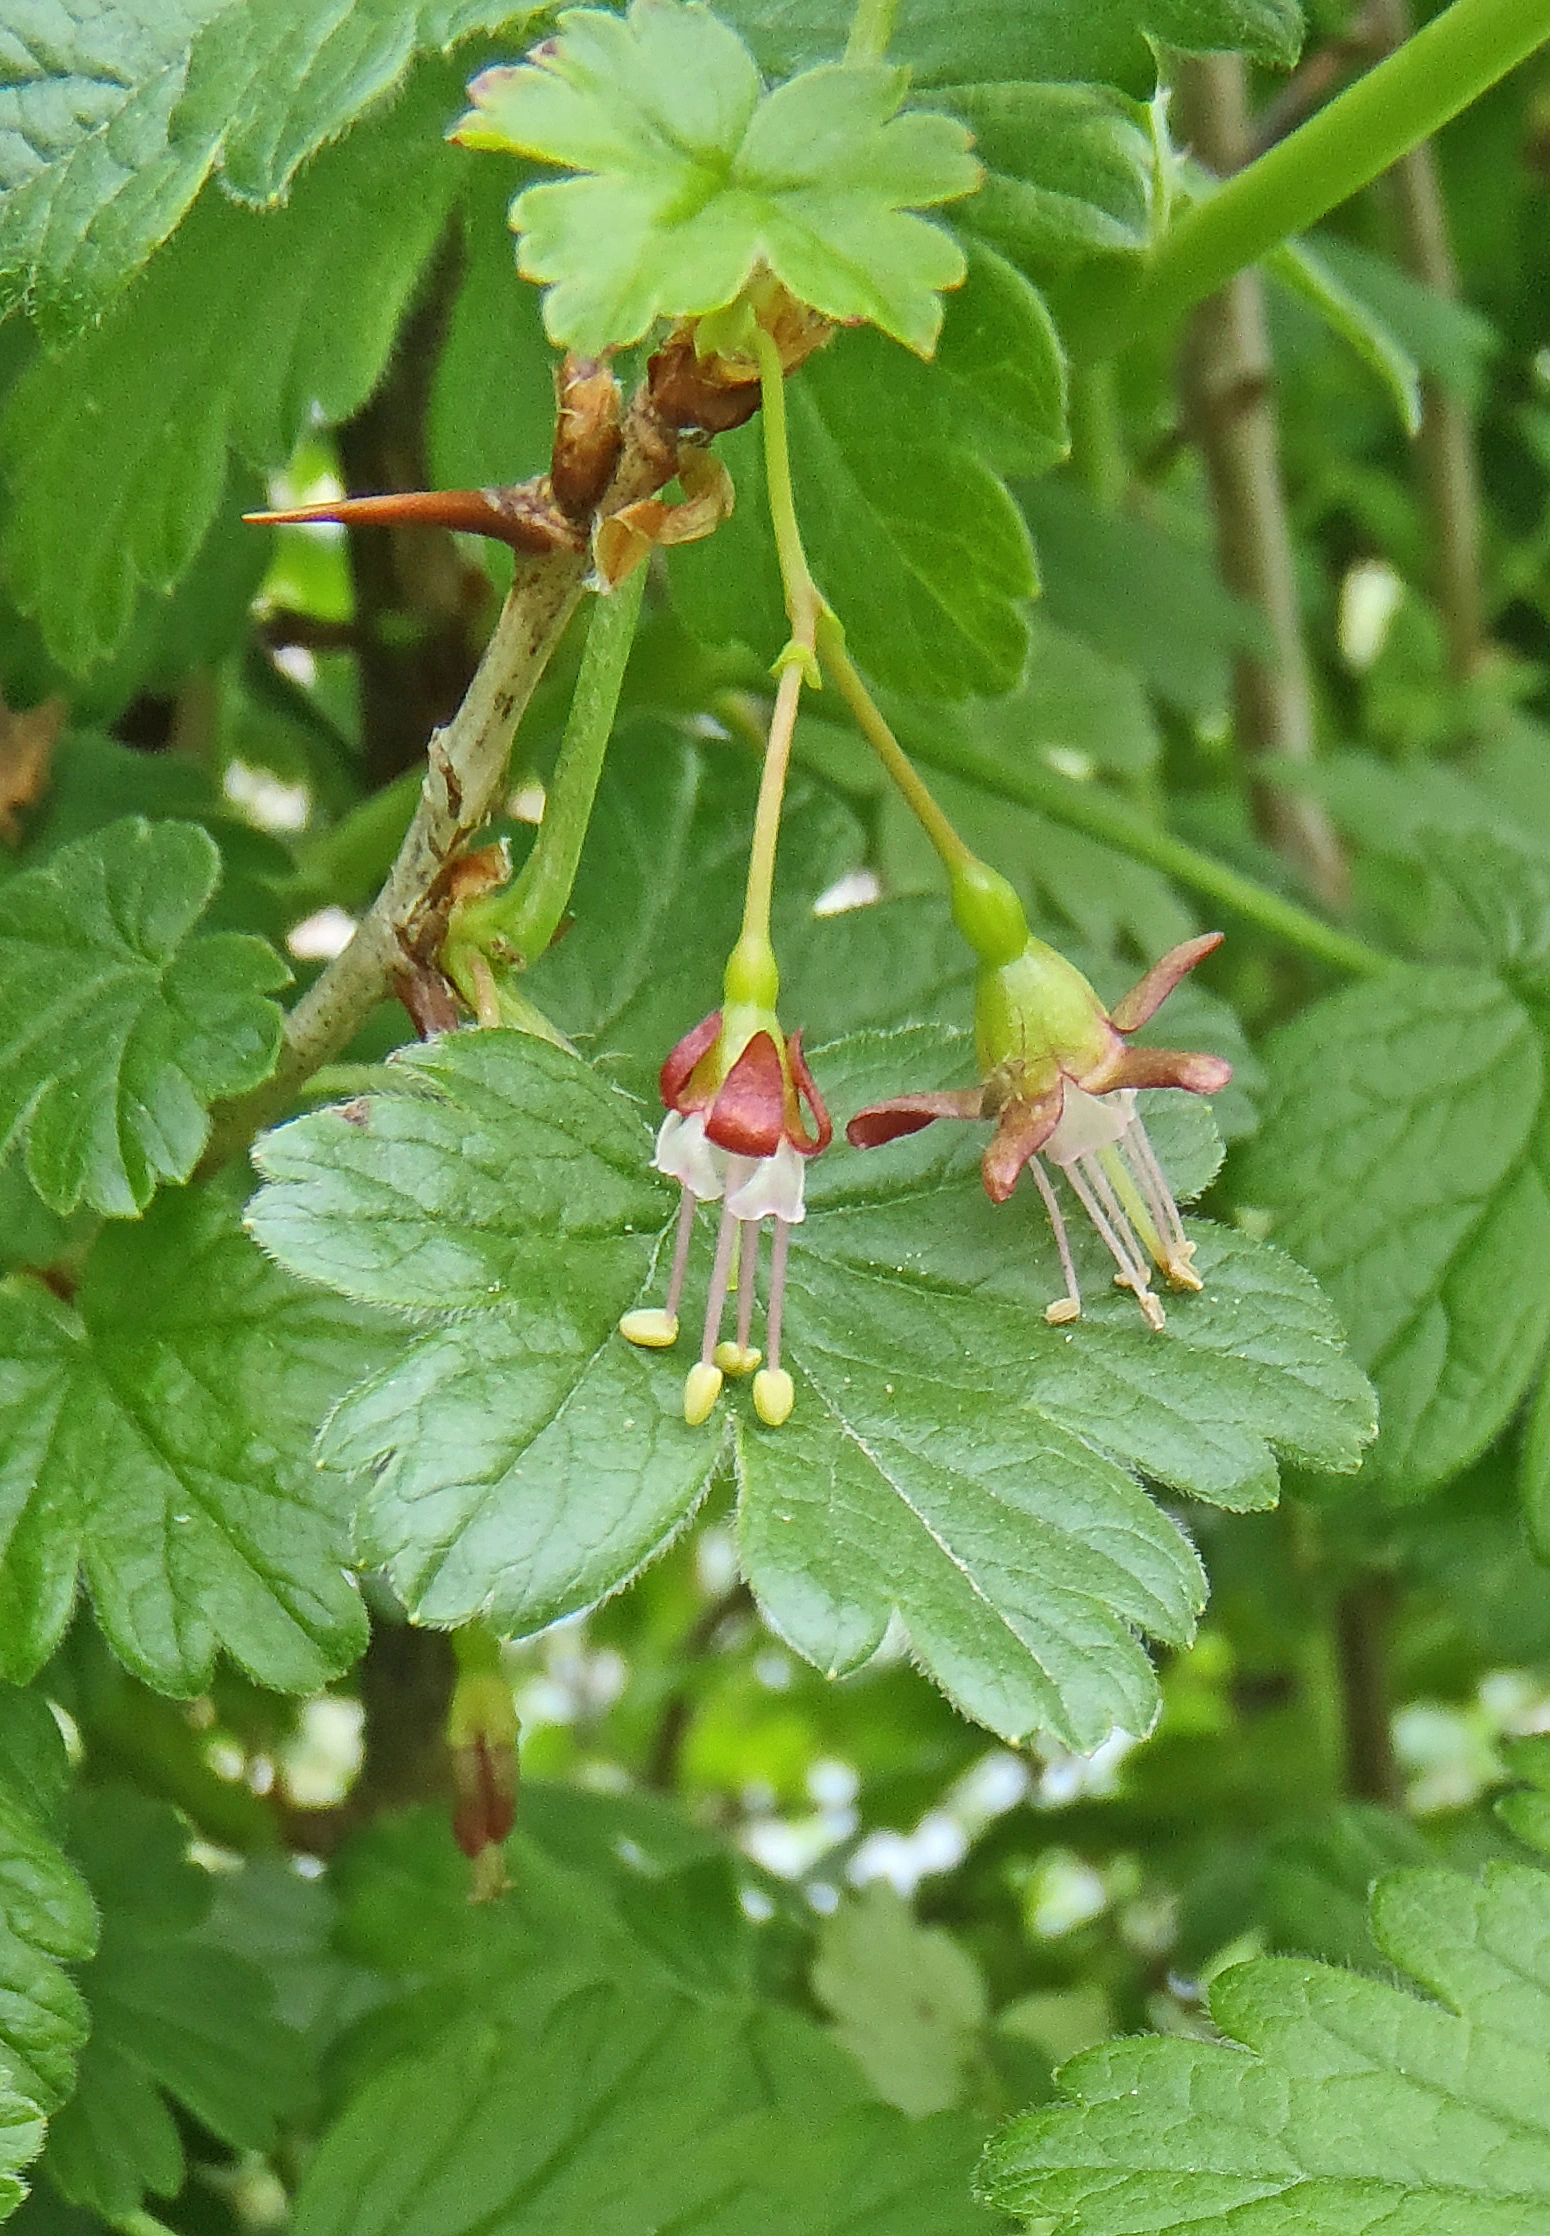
523	516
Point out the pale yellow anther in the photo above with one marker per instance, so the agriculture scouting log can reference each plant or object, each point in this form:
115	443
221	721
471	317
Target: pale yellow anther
702	1387
773	1396
1151	1311
1181	1274
1062	1312
737	1359
653	1330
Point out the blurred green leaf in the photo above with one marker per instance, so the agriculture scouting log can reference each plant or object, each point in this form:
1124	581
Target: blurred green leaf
240	327
173	2021
1104	40
908	2001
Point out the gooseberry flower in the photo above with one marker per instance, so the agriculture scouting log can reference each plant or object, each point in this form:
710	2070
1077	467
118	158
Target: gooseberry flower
739	1097
1059	1080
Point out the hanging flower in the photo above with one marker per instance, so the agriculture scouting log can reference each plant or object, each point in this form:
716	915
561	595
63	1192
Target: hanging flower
739	1097
1059	1079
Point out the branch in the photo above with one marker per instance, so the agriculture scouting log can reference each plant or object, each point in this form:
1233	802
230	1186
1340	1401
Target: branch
1446	450
1229	406
1363	132
467	765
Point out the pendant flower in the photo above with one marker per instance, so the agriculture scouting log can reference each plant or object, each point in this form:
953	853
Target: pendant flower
739	1096
1059	1080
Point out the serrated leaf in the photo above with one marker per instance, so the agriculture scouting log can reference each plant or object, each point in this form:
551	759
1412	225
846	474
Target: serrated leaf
896	467
47	1918
21	2139
480	1435
237	331
951	1458
909	2002
1071	171
1405	1154
693	179
112	119
158	1436
1098	40
171	2018
1351	2106
119	1023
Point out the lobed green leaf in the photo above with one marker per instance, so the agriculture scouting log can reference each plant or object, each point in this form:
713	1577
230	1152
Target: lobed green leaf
119	1024
157	1436
1351	2106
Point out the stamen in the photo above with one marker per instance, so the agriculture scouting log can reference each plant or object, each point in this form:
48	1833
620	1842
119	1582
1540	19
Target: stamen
1069	1307
774	1393
720	1276
742	1356
702	1383
1143	1157
658	1331
1132	1274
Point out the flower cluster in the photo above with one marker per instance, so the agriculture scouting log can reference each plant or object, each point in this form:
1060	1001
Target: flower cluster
735	1134
1059	1080
1058	1084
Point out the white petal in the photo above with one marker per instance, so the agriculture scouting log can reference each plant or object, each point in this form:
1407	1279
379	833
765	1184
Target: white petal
684	1154
1089	1122
771	1188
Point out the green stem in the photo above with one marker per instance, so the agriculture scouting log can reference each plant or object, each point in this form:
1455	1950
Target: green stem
1448	64
526	917
917	795
798	661
1084	808
1097	450
870	30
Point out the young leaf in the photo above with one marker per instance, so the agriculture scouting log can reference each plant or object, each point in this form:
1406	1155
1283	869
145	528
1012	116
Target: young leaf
952	1458
119	1024
242	327
171	2018
1405	1153
119	115
47	1917
158	1436
693	178
1351	2105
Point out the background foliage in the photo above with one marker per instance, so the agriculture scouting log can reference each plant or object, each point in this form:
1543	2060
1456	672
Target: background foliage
1030	1701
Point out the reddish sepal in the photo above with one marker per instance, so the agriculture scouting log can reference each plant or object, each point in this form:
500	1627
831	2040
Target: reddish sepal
676	1073
748	1116
909	1114
808	1145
